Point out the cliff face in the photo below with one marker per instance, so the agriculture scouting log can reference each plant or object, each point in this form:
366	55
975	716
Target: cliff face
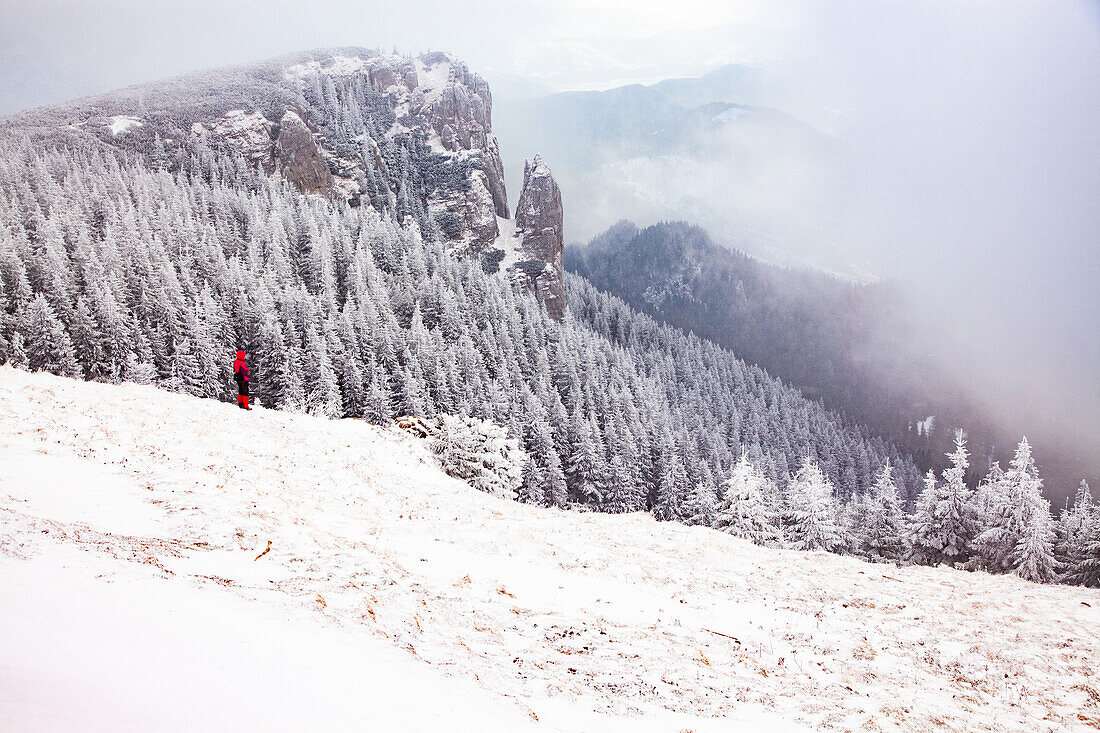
408	136
539	238
430	111
298	157
530	248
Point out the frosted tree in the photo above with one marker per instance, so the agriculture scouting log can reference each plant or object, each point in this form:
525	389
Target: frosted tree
953	511
984	502
1032	556
46	345
623	494
998	520
531	484
879	534
556	490
812	515
1080	530
702	501
743	511
585	469
1020	535
480	453
673	490
1083	561
925	536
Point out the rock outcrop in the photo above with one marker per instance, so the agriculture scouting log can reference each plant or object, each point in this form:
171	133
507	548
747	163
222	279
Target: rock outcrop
434	97
298	157
538	237
410	137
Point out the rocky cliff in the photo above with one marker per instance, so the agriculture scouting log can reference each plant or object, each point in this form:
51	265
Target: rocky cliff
431	112
408	136
538	236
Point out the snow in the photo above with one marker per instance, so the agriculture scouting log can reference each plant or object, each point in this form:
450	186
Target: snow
432	79
249	131
120	124
539	169
337	65
507	241
397	598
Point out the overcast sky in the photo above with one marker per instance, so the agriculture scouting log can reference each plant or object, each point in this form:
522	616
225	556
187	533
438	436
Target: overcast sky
973	125
53	50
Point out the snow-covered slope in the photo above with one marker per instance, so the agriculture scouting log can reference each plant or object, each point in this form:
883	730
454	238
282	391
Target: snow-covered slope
395	598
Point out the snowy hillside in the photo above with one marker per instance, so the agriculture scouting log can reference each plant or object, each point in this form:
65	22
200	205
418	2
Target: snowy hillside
132	523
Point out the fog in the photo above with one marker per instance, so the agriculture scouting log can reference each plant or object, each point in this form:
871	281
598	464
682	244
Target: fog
977	183
970	130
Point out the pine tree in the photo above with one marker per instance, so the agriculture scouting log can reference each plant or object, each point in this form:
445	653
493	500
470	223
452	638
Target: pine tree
673	489
1032	556
531	489
584	471
1020	535
880	531
954	512
557	493
1081	528
47	346
623	494
813	511
480	453
743	511
925	538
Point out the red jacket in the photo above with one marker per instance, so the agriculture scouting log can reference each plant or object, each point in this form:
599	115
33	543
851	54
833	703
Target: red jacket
240	368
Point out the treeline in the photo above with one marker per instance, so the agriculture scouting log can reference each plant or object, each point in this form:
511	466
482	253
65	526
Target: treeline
1003	526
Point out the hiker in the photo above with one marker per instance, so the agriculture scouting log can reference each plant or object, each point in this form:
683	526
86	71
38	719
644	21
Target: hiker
240	373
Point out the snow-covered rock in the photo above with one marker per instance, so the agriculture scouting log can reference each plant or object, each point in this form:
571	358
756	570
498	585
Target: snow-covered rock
532	246
434	94
133	525
249	132
298	157
120	124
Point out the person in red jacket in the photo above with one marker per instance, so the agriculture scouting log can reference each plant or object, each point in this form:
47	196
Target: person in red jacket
240	373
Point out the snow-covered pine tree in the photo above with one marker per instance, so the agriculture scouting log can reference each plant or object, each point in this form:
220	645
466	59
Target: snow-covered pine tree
1032	556
531	484
480	453
46	344
673	491
743	511
984	502
557	492
925	537
1020	533
812	515
585	466
622	491
879	535
954	511
703	498
1081	529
